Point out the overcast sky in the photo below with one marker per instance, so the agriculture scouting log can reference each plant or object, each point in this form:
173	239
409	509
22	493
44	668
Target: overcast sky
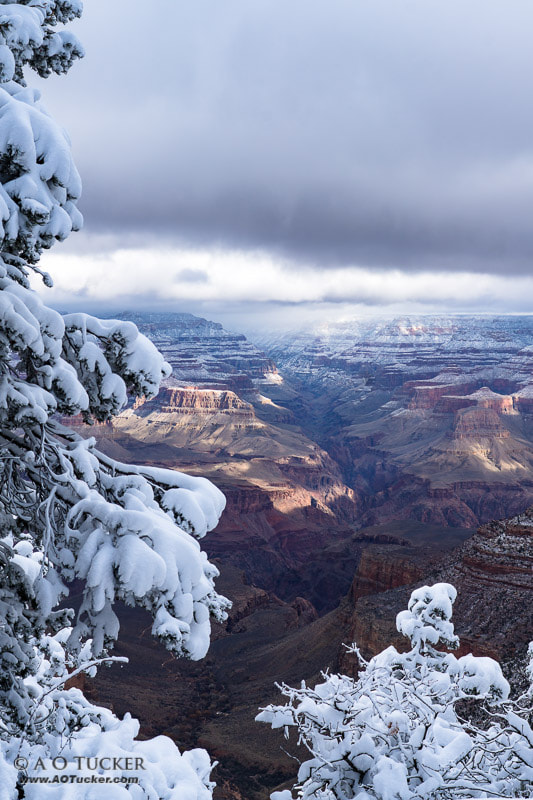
310	157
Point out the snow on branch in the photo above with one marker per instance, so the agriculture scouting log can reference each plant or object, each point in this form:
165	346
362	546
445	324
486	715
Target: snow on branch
396	732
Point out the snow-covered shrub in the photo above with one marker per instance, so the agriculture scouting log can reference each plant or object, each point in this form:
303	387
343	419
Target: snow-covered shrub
67	512
396	732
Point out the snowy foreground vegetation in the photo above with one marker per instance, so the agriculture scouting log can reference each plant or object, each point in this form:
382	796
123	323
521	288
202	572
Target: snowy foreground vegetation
408	727
68	512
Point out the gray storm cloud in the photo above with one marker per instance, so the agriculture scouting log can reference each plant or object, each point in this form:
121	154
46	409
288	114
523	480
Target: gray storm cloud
339	132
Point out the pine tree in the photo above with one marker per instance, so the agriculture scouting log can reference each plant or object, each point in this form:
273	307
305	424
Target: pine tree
397	733
68	512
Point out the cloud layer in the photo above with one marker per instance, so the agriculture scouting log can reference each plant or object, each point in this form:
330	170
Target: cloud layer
372	132
250	290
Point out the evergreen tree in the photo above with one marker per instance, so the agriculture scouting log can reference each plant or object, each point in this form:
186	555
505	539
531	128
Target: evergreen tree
67	511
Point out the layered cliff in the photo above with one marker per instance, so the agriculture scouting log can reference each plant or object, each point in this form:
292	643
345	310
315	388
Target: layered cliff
204	354
493	573
429	419
286	498
184	400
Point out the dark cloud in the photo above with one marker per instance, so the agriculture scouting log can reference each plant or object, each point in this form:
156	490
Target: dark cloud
383	133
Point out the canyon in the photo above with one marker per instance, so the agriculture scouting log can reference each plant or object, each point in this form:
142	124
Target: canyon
428	418
358	460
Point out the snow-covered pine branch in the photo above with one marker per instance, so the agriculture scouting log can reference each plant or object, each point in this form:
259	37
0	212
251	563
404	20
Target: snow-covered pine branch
41	719
396	732
68	512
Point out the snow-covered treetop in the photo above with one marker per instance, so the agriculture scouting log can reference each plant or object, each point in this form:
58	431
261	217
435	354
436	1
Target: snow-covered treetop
427	623
39	183
27	37
427	620
398	732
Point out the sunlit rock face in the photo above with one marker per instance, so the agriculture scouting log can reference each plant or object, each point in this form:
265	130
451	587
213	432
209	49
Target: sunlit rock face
428	419
285	496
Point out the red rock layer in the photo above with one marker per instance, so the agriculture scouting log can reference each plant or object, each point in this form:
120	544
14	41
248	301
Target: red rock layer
174	400
428	395
479	422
